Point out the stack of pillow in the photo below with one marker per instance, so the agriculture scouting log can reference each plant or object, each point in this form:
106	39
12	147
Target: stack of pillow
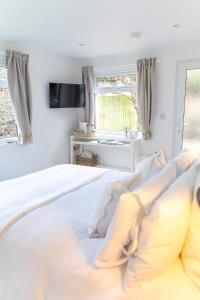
104	211
191	249
137	218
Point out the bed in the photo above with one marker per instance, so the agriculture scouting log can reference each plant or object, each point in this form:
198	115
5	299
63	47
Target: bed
45	251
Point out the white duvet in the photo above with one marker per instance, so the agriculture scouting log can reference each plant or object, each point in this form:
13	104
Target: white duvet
45	252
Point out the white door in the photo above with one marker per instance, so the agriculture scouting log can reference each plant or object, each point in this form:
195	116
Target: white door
187	112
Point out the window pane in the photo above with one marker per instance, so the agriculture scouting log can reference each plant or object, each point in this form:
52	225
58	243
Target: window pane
7	121
3	71
116	81
116	111
192	110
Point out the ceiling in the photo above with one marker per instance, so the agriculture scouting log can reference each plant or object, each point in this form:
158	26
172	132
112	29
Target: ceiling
104	26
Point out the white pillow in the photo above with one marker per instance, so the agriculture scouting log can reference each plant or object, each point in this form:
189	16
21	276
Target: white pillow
163	231
113	249
102	215
156	185
191	250
104	211
121	238
151	165
183	160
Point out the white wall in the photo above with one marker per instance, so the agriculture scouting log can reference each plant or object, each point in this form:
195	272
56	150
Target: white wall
163	130
51	127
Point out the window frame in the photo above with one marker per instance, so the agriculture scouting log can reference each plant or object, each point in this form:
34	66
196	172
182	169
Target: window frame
113	71
14	139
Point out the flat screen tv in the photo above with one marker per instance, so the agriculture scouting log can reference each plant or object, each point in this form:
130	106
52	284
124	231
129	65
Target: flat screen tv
66	95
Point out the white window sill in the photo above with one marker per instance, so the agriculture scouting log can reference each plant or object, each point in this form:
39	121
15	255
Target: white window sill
6	141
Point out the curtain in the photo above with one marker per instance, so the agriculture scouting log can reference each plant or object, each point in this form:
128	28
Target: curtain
88	79
20	92
145	93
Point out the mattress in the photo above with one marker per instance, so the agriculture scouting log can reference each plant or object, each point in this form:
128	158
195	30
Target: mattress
47	255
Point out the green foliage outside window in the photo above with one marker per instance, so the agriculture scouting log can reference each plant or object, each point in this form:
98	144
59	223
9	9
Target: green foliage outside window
116	112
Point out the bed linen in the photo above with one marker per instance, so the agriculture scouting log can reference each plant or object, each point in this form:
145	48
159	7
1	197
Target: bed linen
135	206
163	231
47	255
103	213
191	250
21	195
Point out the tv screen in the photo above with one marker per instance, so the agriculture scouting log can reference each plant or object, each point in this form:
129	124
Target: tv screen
66	95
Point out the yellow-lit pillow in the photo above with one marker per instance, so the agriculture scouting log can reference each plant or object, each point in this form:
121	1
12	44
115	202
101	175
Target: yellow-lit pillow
163	231
191	250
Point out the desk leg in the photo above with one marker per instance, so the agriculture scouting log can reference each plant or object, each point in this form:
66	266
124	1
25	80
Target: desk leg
81	148
72	151
135	148
132	161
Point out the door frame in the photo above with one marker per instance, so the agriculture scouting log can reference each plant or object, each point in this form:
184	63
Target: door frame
180	92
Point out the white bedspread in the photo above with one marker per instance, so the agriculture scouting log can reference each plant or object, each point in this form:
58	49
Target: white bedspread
47	255
21	195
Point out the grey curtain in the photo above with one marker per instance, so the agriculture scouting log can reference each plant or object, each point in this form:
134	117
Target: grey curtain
88	80
20	92
146	93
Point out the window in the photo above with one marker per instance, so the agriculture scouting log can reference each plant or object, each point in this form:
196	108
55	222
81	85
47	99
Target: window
116	101
7	122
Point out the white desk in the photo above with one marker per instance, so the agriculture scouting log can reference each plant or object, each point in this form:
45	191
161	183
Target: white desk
132	144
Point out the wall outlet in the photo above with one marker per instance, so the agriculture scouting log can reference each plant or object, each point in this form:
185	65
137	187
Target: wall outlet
162	116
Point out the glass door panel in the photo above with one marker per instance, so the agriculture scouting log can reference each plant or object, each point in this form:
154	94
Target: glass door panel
191	131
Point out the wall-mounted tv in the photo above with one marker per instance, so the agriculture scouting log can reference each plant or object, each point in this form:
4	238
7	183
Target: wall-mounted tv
66	95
